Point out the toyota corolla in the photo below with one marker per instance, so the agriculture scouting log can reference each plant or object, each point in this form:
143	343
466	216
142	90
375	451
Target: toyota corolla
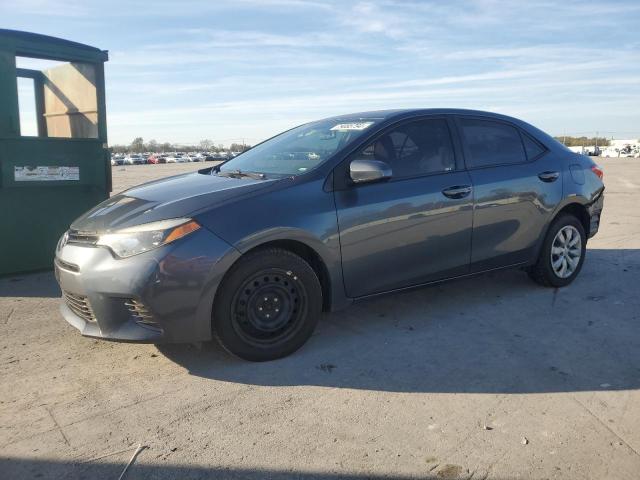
250	252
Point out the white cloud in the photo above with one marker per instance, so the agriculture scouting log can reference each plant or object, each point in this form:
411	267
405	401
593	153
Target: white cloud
187	69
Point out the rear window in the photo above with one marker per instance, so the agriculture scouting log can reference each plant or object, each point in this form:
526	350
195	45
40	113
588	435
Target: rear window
491	143
533	148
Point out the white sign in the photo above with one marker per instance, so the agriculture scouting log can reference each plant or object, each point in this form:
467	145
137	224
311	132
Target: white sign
30	173
352	126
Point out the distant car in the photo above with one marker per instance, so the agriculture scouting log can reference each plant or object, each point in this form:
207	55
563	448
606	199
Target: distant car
325	214
209	158
627	151
117	159
135	160
153	159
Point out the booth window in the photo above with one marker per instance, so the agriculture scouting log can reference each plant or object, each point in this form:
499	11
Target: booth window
57	99
27	107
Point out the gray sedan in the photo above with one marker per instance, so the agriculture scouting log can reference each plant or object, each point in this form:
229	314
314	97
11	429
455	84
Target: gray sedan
251	252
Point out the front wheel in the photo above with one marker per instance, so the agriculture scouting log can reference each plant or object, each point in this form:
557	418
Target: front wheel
268	305
562	253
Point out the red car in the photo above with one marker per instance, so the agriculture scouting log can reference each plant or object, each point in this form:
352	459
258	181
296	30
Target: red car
157	159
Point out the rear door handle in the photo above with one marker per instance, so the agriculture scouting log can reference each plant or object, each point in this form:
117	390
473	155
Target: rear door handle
457	191
549	176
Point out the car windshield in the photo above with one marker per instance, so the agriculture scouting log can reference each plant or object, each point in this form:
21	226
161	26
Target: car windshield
299	150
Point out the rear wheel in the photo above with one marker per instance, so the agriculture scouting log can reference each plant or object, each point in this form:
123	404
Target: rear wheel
268	305
562	253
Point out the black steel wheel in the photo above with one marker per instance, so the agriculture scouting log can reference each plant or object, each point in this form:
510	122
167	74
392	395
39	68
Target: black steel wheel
268	305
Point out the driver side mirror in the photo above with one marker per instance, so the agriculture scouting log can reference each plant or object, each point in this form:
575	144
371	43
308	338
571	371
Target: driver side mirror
368	171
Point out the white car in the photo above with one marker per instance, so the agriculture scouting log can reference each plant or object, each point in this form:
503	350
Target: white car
134	160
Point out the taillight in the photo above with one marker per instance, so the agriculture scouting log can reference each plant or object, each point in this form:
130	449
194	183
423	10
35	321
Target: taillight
597	169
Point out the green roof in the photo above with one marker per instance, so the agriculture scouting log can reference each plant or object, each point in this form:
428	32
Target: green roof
43	46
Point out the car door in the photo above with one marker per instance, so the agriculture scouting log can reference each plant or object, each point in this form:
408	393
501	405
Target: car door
414	227
517	184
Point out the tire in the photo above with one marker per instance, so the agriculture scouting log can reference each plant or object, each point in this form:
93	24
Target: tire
543	272
268	305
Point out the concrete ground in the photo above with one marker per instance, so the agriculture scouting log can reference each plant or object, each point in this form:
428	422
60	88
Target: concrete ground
492	377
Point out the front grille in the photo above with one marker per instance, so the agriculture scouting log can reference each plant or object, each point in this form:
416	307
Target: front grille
80	305
140	313
76	236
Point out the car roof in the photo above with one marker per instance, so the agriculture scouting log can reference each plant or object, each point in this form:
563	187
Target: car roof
408	112
386	117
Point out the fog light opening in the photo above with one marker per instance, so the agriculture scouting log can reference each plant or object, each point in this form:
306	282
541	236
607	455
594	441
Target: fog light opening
141	314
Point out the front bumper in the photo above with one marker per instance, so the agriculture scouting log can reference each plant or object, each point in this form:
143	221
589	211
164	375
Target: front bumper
164	295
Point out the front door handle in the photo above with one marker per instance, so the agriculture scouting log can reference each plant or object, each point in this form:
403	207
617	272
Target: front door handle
549	176
457	191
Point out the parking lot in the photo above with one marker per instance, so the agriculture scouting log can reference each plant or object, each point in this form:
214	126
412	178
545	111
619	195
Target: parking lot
490	377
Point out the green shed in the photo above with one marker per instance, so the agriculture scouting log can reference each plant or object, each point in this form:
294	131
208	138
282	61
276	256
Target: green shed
57	166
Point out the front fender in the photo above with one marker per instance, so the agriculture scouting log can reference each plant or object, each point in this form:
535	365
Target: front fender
327	250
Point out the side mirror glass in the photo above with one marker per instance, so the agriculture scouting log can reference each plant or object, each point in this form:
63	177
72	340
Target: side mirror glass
367	171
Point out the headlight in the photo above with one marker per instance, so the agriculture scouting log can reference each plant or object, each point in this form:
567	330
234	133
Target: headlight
142	238
63	241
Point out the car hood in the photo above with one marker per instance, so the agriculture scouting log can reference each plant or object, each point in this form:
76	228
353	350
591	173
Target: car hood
172	197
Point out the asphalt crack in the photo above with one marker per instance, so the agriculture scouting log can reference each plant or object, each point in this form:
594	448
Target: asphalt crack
8	317
607	427
66	440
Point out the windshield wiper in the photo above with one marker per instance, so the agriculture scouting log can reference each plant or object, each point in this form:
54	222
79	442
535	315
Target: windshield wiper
241	174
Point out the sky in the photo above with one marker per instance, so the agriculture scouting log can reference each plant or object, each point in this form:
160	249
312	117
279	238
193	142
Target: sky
243	70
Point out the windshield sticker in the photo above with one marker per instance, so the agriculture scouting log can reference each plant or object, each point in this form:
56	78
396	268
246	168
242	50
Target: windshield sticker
352	126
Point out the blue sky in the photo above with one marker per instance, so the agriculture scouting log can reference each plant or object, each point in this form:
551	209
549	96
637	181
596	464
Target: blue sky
182	71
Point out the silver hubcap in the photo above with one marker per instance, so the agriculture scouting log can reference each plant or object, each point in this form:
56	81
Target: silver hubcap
566	251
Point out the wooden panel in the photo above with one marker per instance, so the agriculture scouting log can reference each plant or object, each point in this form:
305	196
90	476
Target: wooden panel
70	101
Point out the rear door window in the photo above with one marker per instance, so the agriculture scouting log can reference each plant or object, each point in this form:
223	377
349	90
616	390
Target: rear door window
488	143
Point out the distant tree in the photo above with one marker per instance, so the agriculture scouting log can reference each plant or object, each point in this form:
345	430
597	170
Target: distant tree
152	146
137	146
119	149
206	144
583	141
239	147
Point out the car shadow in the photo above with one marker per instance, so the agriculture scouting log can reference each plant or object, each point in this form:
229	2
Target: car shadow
53	469
495	333
40	284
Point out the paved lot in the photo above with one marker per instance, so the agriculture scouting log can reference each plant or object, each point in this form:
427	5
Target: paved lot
128	176
491	377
